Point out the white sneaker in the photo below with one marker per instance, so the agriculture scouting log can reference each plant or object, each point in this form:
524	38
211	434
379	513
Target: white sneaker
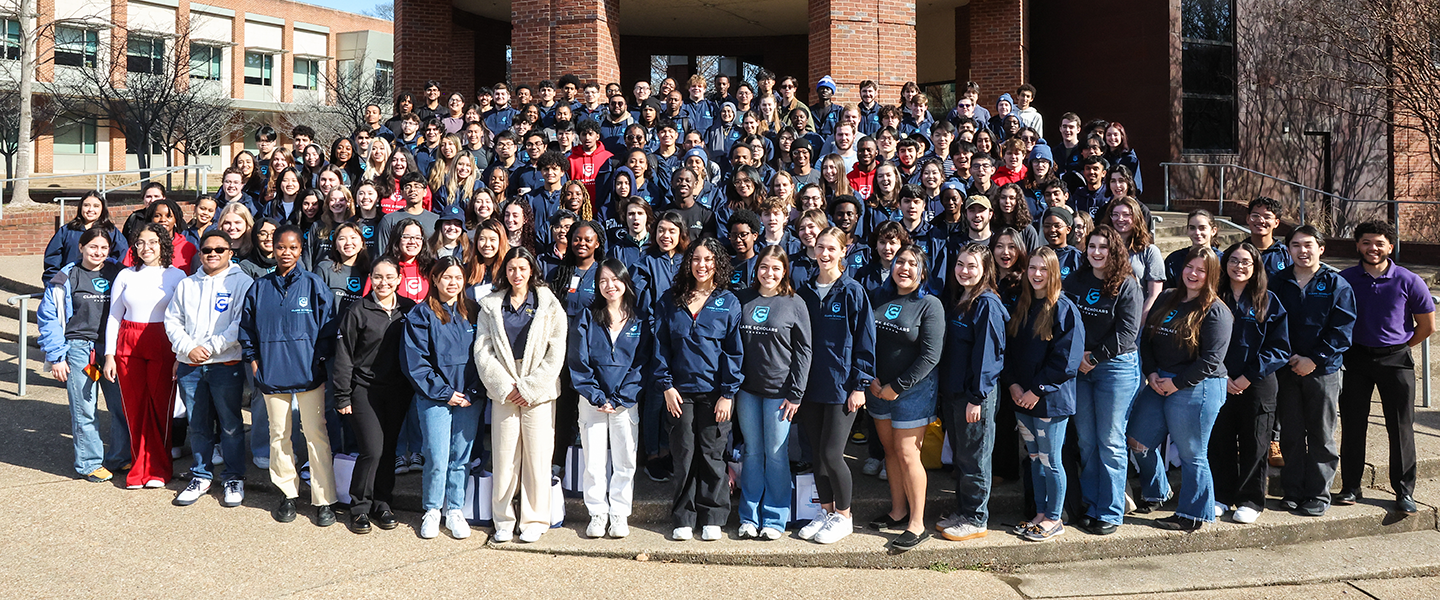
216	458
234	493
872	466
502	535
960	532
771	534
154	484
618	527
949	521
430	524
402	465
810	529
883	475
197	488
455	522
837	529
747	531
532	534
1245	515
596	529
710	533
682	534
1220	510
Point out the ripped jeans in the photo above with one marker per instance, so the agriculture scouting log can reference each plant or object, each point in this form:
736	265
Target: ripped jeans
1044	437
1187	416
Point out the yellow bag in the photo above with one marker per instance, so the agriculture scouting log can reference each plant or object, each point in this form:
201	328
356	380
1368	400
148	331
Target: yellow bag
931	446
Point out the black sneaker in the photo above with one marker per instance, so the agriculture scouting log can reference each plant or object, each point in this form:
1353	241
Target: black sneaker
324	515
1346	497
656	469
1312	508
1289	504
883	522
1179	523
285	511
801	468
908	540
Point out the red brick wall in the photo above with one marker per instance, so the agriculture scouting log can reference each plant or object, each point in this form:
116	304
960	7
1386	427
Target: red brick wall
422	44
27	233
550	38
853	40
1414	178
999	43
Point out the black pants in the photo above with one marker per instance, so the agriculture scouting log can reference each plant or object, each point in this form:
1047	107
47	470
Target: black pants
1005	458
567	419
697	445
1240	445
827	427
376	415
1392	371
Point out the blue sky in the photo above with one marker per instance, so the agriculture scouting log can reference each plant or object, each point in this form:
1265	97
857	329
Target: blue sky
354	6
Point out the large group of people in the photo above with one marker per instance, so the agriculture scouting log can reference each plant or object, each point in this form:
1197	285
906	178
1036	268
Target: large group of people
545	267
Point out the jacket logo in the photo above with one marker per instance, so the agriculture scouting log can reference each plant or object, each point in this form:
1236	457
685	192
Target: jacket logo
222	302
353	285
1064	272
760	314
588	169
1093	296
367	231
101	285
1170	316
835	307
412	285
304	302
1319	286
892	311
735	278
719	302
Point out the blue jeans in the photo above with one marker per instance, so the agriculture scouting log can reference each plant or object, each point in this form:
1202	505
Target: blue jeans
972	445
1044	438
448	435
1103	398
90	451
765	477
212	393
1187	416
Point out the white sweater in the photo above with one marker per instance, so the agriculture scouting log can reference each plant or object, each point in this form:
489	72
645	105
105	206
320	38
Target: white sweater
206	312
141	297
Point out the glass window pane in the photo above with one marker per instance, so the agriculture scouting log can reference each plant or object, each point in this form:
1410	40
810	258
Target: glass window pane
1208	20
1209	125
1208	68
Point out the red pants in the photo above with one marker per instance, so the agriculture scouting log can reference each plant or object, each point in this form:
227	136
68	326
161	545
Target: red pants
145	366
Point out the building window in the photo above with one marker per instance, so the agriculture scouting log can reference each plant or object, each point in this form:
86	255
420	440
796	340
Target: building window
205	62
1208	91
11	39
75	137
384	78
76	47
259	69
307	74
145	55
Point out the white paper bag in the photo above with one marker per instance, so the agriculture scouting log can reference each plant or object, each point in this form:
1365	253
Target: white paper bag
477	508
557	503
804	502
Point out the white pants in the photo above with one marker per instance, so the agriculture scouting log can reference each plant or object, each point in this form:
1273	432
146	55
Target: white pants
621	433
522	440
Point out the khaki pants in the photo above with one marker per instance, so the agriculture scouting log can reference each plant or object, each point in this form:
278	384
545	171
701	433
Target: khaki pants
282	454
522	440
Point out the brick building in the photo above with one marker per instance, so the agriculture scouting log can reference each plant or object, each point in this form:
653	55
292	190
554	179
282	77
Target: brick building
266	54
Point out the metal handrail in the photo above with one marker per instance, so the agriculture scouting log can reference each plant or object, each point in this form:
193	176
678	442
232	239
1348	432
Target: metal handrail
203	179
22	354
1425	369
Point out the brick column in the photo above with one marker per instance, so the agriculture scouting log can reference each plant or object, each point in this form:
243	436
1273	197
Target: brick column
854	40
998	46
423	46
551	37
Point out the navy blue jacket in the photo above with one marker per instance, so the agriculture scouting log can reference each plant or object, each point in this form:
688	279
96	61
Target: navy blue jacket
1276	257
624	248
1257	347
974	350
543	204
280	329
653	276
842	338
1047	368
743	276
700	113
64	249
436	356
699	355
1321	316
602	371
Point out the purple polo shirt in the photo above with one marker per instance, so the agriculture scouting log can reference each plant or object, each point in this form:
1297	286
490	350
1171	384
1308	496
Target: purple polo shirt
1385	305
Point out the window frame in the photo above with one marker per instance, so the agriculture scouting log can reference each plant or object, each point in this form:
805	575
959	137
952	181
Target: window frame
267	69
85	49
155	56
213	67
312	74
1232	98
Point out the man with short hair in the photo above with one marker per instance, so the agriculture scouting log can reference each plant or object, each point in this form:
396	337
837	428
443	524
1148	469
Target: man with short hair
1029	116
528	176
500	115
1263	216
153	192
869	108
641	92
827	111
668	154
1394	313
409	135
589	161
474	137
982	168
613	126
569	90
1069	149
1090	197
232	189
304	135
801	169
942	136
698	110
1320	318
372	124
431	106
744	232
862	177
414	189
789	103
545	199
546	102
590	108
203	324
1012	153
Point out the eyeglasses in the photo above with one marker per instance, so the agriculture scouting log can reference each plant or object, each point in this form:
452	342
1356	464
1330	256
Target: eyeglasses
412	238
214	250
379	277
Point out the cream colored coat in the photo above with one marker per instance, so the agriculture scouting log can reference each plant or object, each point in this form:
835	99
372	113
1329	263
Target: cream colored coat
538	378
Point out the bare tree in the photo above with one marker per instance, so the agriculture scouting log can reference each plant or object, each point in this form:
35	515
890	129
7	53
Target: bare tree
192	129
383	10
142	95
340	107
41	122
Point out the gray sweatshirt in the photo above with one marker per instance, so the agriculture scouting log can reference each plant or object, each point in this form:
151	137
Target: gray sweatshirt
909	337
776	336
